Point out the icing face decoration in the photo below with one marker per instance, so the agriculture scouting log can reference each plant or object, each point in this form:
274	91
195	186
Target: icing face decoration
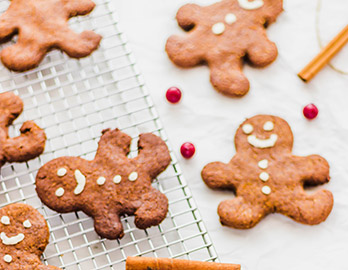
250	4
27	224
5	220
60	192
81	182
8	258
61	172
11	241
257	142
101	181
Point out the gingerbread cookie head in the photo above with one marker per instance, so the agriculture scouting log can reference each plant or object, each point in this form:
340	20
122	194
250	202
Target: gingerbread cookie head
267	178
264	134
23	237
111	185
222	35
30	144
42	25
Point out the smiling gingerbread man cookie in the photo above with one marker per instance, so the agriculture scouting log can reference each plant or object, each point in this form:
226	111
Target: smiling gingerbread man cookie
23	238
222	35
267	178
111	185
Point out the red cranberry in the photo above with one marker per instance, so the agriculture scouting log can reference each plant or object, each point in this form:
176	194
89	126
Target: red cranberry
310	111
187	150
173	95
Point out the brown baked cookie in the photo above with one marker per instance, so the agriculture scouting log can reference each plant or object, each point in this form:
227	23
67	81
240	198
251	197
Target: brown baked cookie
222	35
42	25
30	144
267	178
23	238
111	185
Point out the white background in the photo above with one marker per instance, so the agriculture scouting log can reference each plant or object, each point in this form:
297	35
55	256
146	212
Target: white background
210	120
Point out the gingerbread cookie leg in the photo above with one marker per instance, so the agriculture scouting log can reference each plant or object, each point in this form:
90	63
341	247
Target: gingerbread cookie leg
153	210
227	77
241	214
307	209
107	224
28	145
24	55
264	52
78	45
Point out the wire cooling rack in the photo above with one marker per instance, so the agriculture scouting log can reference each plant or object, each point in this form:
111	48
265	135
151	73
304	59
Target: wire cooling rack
74	100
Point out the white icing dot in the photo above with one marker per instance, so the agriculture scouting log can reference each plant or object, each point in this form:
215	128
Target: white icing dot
230	18
27	224
263	164
247	128
268	126
81	182
101	181
218	28
250	4
133	176
61	172
117	179
264	176
5	220
60	192
8	258
266	190
10	241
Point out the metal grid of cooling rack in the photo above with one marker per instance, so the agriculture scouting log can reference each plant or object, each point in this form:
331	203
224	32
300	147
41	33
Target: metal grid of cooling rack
73	100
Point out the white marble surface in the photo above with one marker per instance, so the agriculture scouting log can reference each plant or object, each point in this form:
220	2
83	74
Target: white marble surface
210	120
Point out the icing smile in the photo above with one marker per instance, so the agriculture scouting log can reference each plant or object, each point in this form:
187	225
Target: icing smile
9	241
260	143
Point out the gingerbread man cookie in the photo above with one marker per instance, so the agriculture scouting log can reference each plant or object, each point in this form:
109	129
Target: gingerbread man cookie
23	238
111	185
42	25
267	178
222	35
30	144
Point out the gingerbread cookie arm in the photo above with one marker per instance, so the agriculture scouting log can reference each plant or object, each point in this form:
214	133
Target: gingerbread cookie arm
241	214
30	144
218	175
154	156
307	209
78	45
153	210
78	7
314	170
227	76
262	52
7	27
271	11
187	16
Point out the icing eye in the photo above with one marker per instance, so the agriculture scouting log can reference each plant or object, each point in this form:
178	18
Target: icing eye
27	224
60	192
5	220
248	129
268	126
61	172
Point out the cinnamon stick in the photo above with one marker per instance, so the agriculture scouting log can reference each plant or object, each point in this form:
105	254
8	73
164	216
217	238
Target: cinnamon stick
144	263
323	58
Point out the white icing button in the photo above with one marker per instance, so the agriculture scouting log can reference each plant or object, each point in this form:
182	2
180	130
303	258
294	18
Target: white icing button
117	179
250	4
266	190
268	126
101	181
263	164
27	224
8	258
61	172
230	18
60	192
81	182
247	129
218	28
5	220
264	176
262	144
10	241
133	176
